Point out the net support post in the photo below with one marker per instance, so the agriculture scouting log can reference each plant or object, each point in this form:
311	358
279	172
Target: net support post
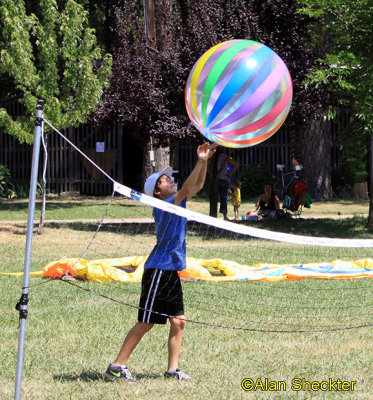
22	304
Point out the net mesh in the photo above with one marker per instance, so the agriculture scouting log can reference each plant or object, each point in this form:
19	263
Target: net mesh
264	302
230	281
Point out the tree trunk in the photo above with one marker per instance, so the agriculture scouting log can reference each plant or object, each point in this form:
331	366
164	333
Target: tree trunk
155	159
150	22
370	217
162	158
314	147
361	191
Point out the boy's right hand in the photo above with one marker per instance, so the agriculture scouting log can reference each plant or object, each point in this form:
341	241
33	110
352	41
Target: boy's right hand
204	152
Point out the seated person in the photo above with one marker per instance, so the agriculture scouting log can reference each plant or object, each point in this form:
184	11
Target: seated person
267	203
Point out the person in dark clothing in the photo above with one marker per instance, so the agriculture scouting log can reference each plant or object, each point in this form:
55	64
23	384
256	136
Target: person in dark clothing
267	201
227	167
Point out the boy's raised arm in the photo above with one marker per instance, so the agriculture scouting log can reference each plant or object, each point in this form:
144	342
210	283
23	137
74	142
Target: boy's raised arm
197	177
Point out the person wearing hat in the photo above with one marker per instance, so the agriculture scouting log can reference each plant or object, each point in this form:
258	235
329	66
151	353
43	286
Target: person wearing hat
161	293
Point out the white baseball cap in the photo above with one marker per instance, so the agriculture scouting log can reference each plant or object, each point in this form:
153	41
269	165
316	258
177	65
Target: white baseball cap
152	180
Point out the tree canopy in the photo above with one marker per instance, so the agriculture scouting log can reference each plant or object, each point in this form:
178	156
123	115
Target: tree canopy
147	85
347	67
51	55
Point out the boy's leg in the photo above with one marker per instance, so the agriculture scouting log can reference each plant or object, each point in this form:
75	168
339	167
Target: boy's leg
174	340
174	346
118	370
131	341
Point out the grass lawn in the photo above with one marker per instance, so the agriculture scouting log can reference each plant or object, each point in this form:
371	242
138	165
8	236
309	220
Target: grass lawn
72	334
93	208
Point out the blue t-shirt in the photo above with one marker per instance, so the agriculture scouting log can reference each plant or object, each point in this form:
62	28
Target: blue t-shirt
170	251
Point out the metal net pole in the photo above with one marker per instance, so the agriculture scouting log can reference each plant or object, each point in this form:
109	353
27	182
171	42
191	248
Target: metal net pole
22	304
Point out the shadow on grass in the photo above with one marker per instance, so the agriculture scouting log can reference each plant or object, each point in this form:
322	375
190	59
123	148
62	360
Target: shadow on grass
322	227
55	206
91	376
15	229
345	201
346	228
23	207
87	376
133	228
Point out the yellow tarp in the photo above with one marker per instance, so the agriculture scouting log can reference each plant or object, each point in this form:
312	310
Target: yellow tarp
130	269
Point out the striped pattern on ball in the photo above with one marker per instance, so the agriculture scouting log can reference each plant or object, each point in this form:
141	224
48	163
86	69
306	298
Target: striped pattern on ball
238	93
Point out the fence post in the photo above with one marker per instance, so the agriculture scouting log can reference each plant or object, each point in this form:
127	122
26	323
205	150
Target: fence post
22	305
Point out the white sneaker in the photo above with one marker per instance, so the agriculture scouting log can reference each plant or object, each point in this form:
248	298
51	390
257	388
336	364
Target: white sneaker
178	374
117	372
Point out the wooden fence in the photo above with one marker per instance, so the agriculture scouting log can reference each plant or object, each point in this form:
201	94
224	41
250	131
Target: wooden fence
67	170
276	150
111	149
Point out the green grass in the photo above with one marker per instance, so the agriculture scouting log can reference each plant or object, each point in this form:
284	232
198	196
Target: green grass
62	208
353	228
93	208
72	335
334	206
329	208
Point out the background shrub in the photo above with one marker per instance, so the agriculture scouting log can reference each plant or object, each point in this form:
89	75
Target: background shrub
6	185
253	179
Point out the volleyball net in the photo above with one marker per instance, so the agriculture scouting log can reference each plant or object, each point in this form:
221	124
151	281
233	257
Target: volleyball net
238	276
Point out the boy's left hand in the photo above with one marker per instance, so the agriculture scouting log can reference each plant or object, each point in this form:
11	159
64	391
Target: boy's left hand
204	152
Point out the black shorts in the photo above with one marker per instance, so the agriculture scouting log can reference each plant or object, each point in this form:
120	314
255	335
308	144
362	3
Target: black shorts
161	296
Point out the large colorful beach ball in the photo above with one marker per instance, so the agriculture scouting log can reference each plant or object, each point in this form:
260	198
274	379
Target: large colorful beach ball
238	93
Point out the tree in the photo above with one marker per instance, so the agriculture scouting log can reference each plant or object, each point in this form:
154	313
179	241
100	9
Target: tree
347	66
51	56
147	85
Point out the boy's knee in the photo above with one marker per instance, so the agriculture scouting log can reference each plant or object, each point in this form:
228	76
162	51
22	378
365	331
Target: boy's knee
178	323
145	326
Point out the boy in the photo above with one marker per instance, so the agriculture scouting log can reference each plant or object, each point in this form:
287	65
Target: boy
161	291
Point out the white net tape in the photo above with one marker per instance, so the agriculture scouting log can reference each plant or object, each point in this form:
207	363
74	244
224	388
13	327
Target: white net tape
240	229
236	284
